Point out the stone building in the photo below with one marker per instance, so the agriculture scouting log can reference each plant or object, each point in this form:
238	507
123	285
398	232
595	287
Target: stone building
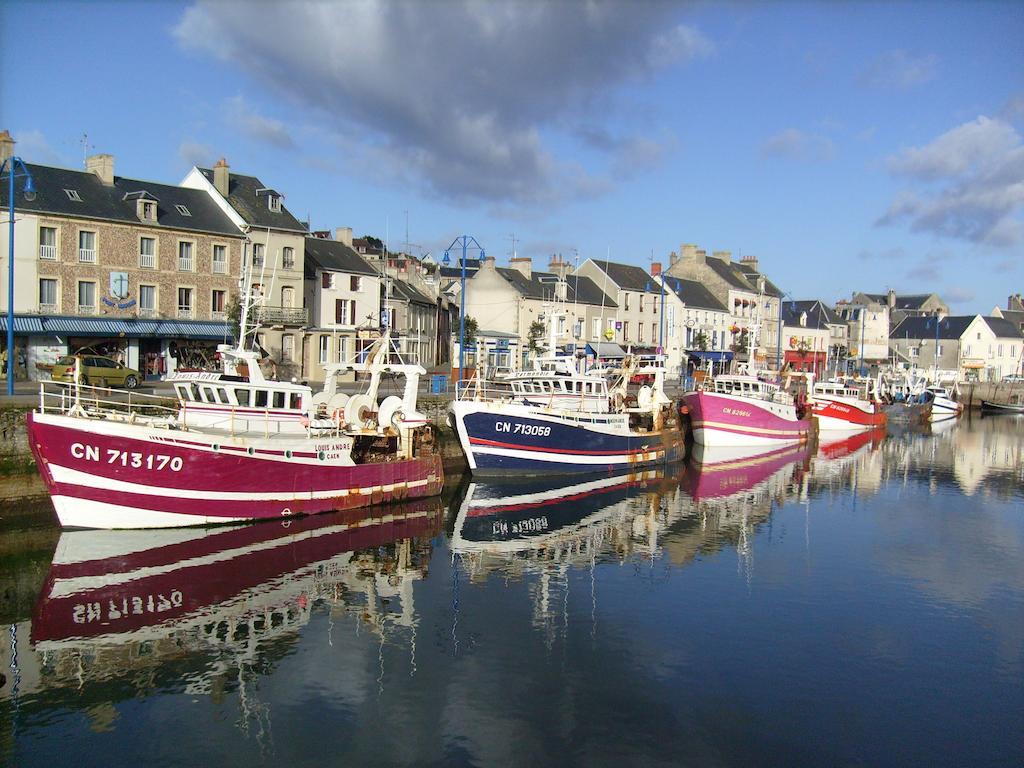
750	297
967	347
901	306
274	257
140	271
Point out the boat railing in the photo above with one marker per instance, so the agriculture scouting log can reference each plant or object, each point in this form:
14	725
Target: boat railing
70	399
475	389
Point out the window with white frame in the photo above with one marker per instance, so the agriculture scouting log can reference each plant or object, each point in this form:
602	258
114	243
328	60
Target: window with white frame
86	297
185	302
914	351
287	296
342	348
87	247
288	348
185	260
47	294
147	252
218	304
288	257
274	203
640	333
147	300
938	350
596	328
325	349
258	254
220	259
48	243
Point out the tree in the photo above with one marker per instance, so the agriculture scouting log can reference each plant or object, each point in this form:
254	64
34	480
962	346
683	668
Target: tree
741	342
700	341
233	314
536	333
471	330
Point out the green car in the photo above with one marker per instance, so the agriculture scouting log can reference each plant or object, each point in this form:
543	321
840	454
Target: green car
96	371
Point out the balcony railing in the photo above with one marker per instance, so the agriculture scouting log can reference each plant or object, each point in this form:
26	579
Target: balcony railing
282	315
87	255
87	309
47	309
185	313
184	263
220	267
147	312
218	315
147	260
48	252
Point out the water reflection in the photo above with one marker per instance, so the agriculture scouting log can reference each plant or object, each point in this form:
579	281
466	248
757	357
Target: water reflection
887	568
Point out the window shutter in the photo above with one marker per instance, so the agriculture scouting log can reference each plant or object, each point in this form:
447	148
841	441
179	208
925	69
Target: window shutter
353	283
352	313
338	316
326	280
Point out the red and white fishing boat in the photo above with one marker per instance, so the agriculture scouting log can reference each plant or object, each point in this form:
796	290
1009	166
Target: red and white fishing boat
746	411
235	447
847	405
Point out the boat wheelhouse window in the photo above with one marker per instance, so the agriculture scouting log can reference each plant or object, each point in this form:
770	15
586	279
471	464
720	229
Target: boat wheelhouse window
181	390
242	396
208	395
279	399
295	400
193	393
222	395
261	398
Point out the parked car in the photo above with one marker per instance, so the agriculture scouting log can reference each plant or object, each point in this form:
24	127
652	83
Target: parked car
97	371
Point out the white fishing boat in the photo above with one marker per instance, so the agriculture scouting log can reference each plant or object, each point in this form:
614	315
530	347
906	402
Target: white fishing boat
847	405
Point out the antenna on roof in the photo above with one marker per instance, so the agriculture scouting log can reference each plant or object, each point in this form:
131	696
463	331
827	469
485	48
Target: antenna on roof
86	146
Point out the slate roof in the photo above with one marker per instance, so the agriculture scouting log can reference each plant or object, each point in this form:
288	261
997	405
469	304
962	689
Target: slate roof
248	196
108	203
818	315
541	285
402	290
693	294
909	301
951	327
628	277
1003	327
334	256
1015	316
752	276
456	272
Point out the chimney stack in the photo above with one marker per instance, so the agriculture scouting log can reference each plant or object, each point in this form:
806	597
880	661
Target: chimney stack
344	235
672	258
1015	303
222	177
726	256
559	266
102	166
522	264
692	255
655	268
890	298
6	146
750	261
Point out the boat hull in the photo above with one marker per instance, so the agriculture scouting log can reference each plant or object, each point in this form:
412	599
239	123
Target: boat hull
728	421
117	475
1008	408
834	415
499	442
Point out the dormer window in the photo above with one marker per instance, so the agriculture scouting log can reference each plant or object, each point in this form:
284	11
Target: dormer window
183	210
147	210
73	195
274	203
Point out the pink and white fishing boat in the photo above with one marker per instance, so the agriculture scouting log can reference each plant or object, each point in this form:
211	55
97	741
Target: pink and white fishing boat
847	406
235	447
746	411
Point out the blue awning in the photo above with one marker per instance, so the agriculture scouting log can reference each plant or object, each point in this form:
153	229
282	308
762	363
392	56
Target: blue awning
714	356
33	325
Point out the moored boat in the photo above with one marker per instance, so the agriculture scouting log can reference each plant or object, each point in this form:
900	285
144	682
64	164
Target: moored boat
235	447
555	419
1014	405
847	406
746	411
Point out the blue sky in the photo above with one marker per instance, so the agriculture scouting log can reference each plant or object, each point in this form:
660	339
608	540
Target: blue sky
849	147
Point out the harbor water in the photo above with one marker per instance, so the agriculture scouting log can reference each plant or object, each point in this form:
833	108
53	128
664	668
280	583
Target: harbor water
858	603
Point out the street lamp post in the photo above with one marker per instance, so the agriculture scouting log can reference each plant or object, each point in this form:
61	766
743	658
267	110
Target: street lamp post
465	241
860	368
12	165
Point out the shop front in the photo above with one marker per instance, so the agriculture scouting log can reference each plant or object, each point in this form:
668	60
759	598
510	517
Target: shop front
155	348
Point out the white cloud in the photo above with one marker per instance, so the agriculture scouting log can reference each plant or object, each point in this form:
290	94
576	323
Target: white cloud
263	129
958	295
969	184
459	97
794	144
195	154
33	147
899	69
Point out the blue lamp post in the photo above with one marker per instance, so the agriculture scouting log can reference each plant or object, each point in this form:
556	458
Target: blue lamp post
15	168
778	341
465	241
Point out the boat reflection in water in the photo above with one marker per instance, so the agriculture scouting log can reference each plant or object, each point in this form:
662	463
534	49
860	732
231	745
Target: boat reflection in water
716	473
120	604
